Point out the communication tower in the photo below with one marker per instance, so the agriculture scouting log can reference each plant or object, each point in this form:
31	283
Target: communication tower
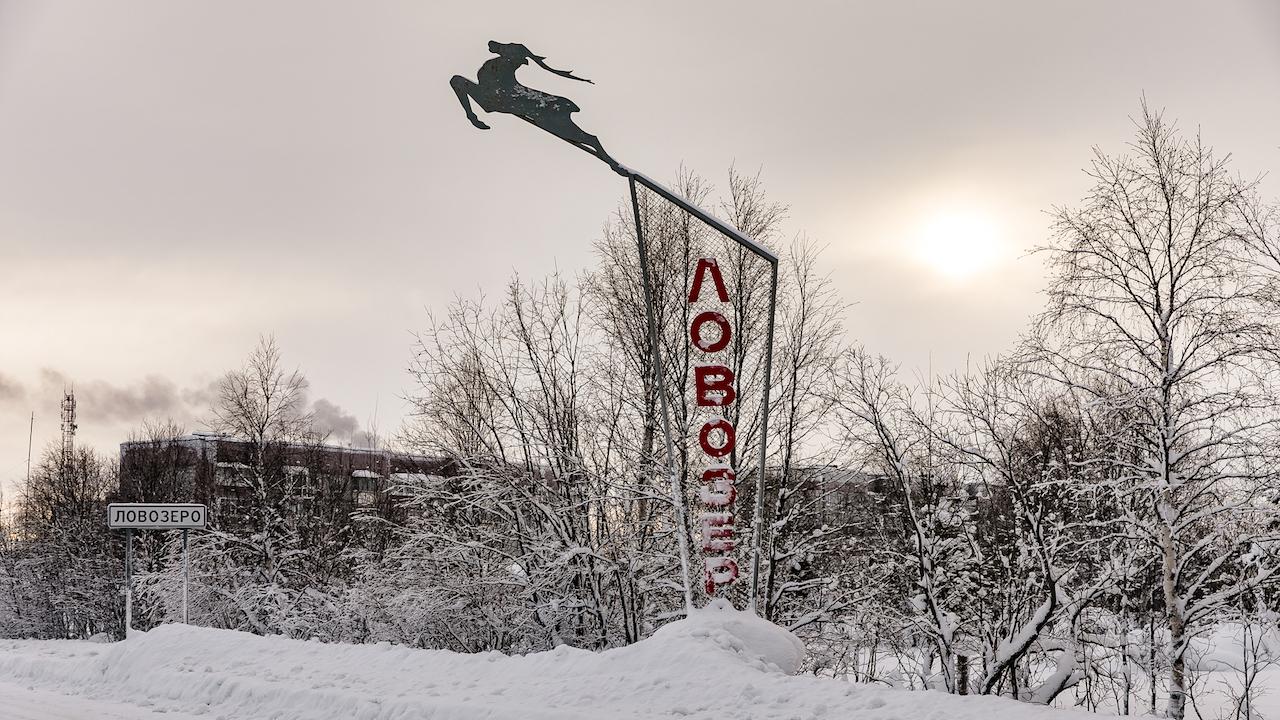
68	426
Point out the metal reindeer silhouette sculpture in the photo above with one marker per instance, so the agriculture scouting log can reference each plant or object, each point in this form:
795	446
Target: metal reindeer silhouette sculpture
498	91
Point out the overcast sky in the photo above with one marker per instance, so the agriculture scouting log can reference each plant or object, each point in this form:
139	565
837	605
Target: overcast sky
177	178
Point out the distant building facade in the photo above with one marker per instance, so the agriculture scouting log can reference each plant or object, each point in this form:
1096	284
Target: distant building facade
218	471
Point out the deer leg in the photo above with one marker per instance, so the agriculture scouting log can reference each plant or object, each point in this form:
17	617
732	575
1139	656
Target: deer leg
465	90
593	142
566	128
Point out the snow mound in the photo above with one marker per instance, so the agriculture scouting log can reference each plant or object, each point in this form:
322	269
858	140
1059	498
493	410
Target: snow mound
717	663
1228	647
738	632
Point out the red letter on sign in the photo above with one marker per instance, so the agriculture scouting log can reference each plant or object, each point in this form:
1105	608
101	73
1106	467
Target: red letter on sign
708	265
713	384
720	571
695	331
722	493
717	531
704	437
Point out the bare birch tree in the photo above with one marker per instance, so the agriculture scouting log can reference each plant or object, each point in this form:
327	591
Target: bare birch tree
806	553
888	435
1156	312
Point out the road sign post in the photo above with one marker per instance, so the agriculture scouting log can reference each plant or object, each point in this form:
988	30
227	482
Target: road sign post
186	575
154	516
128	580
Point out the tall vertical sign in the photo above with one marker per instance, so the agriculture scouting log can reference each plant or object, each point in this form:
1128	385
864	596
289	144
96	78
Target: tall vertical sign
710	332
496	90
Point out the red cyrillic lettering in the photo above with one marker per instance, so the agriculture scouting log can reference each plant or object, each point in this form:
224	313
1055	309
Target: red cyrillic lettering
719	571
704	437
717	531
695	331
721	493
706	265
713	385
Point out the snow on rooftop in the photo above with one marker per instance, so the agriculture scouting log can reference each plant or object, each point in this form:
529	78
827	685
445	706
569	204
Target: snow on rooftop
415	478
203	438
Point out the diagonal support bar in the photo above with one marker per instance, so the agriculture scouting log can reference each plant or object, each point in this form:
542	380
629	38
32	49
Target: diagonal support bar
706	217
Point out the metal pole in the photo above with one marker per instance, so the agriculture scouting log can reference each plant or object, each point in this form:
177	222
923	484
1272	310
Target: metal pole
31	432
757	522
186	576
677	493
769	257
128	581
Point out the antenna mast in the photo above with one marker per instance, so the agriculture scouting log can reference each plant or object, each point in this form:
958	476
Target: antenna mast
31	431
68	427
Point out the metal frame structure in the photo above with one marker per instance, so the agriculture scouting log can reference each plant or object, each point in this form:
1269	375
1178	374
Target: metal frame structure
765	254
498	91
757	520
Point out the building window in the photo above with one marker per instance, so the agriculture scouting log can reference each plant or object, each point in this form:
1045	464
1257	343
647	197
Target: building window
365	481
232	474
299	478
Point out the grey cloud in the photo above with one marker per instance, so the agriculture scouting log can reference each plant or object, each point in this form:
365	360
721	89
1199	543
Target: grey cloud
333	420
202	396
11	391
156	396
365	439
102	401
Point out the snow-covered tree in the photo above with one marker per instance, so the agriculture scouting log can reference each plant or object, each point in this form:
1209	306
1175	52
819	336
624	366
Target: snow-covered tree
1157	312
60	568
532	515
927	538
809	561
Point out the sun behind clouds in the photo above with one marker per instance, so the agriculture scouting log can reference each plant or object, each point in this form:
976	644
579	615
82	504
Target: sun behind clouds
958	244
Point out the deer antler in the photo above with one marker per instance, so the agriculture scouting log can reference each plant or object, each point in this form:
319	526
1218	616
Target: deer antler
562	73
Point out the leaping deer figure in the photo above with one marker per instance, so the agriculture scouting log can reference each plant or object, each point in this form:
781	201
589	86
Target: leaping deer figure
498	91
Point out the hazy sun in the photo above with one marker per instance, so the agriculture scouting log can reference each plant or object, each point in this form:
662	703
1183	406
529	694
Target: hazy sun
958	244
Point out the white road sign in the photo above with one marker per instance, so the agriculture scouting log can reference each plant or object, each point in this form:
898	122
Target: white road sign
156	516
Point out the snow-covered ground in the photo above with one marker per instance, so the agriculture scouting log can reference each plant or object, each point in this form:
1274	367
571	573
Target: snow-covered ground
27	702
719	663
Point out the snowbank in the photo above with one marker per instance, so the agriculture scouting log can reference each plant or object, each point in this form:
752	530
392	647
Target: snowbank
755	642
718	663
